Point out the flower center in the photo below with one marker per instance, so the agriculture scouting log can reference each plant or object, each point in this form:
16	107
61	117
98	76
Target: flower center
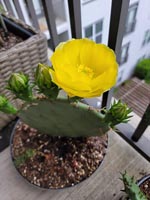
86	70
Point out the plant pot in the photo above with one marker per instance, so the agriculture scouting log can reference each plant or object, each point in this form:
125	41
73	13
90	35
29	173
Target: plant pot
24	57
144	184
55	162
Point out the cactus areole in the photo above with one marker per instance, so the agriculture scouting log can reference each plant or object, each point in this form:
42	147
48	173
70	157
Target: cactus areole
60	141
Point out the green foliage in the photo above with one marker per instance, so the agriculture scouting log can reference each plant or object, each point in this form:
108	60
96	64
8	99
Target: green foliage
29	153
6	107
147	78
118	113
142	70
131	188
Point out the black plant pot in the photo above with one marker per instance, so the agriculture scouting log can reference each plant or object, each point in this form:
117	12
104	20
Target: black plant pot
42	187
17	29
143	179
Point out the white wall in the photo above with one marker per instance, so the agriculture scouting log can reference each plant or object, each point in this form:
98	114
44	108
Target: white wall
96	10
136	50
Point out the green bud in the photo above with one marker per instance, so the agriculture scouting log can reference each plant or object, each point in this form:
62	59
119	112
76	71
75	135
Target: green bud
6	106
43	77
18	82
118	113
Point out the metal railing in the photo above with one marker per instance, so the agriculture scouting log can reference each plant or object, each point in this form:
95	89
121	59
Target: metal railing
119	12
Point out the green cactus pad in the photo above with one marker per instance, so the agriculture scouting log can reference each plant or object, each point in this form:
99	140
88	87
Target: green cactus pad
60	118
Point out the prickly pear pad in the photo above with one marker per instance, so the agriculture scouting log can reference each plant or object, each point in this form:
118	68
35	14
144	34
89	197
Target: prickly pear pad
61	118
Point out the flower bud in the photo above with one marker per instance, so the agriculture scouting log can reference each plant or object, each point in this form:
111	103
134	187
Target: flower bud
43	77
18	82
118	113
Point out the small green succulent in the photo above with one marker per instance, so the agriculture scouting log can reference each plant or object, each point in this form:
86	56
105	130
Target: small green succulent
131	188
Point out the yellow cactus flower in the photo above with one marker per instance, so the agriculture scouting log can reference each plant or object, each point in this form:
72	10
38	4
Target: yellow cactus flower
83	68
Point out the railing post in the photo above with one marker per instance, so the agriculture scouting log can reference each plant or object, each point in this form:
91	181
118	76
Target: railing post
75	18
32	13
119	10
50	18
9	7
145	121
18	9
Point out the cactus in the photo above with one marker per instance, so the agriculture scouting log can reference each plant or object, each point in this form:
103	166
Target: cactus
131	188
61	116
57	116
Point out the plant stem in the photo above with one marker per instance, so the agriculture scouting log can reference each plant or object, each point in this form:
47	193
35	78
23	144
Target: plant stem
3	25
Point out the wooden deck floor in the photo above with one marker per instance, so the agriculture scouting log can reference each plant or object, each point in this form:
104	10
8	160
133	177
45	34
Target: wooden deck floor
104	184
136	94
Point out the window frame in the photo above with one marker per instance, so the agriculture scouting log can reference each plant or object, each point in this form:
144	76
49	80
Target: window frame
130	27
94	34
146	39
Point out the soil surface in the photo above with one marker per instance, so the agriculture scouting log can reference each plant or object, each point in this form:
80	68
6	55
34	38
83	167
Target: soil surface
55	162
8	41
145	187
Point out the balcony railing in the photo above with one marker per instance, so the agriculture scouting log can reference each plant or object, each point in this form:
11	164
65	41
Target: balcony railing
119	12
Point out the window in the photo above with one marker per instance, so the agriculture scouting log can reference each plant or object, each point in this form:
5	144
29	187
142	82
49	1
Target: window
146	38
94	31
131	18
120	77
124	54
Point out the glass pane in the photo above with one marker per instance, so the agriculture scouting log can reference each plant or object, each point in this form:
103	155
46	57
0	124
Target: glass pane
131	16
99	39
124	52
88	31
99	26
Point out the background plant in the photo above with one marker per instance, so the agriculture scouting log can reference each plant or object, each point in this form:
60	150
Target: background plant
142	70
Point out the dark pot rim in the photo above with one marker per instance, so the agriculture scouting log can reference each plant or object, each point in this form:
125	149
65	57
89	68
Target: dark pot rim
39	187
143	179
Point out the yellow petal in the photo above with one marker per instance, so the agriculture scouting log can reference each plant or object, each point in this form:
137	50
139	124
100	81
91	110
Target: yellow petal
83	68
